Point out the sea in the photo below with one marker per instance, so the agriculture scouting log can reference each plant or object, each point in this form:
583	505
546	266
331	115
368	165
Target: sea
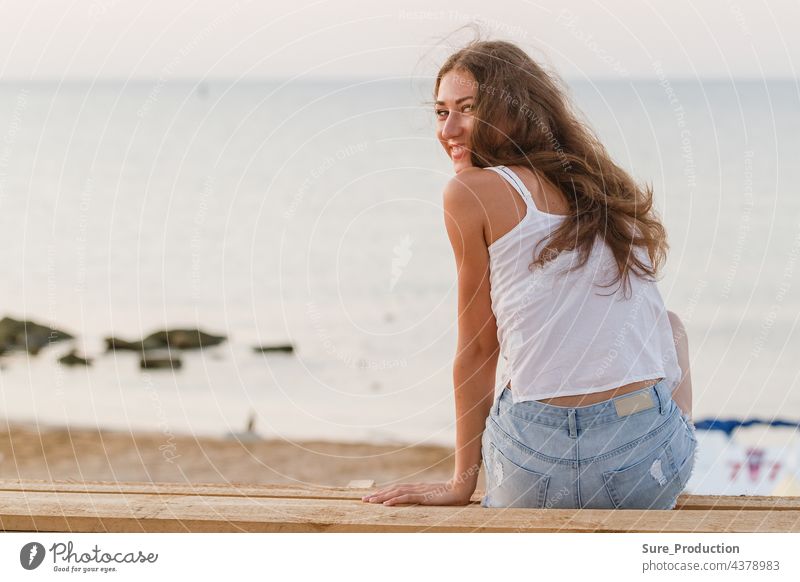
310	212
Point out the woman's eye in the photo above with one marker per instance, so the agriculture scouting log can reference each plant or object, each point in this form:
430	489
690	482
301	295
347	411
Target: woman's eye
440	112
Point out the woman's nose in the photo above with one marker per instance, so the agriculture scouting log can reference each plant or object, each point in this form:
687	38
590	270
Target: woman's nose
452	126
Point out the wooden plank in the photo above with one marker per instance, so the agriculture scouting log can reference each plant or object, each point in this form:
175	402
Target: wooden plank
207	489
685	502
361	484
738	502
97	512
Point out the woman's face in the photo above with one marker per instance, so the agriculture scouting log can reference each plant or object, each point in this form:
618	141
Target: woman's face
454	103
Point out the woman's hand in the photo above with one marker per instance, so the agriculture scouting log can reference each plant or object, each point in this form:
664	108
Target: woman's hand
444	493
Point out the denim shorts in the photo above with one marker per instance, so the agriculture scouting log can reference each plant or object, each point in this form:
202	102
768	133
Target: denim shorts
634	451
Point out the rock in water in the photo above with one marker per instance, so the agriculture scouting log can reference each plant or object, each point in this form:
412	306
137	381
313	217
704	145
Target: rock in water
288	348
73	359
182	339
159	359
114	343
27	335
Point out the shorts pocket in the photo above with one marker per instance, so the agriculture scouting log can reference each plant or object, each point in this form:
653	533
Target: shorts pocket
652	482
510	485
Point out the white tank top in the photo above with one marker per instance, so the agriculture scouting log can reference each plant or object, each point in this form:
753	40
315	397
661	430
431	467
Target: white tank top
558	334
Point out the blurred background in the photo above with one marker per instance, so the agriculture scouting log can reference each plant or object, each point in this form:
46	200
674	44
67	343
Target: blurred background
269	173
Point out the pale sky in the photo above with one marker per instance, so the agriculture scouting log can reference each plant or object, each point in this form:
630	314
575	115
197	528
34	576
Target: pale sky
172	39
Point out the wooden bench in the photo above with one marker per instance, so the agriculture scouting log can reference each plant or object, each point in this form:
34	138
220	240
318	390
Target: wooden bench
68	506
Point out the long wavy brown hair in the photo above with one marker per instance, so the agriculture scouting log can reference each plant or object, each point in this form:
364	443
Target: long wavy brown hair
523	117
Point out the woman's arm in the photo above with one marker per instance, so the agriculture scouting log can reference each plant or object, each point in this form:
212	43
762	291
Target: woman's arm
477	349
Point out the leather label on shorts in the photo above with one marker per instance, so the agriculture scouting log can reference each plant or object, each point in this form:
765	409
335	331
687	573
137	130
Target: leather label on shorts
626	405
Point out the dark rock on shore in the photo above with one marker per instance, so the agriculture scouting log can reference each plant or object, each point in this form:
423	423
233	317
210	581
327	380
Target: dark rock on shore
27	335
182	339
288	348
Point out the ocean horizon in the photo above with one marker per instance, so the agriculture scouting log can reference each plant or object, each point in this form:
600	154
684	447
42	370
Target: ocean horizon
310	213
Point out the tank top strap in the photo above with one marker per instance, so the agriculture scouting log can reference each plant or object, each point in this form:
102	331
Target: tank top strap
512	178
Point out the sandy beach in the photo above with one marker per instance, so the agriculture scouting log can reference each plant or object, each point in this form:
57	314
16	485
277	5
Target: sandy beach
81	454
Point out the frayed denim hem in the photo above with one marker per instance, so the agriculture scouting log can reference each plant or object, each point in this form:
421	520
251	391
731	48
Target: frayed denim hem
693	455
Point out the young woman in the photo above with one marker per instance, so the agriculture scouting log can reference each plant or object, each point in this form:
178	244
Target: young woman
557	251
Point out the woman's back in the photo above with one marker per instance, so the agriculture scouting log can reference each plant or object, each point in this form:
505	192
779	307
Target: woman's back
503	213
560	331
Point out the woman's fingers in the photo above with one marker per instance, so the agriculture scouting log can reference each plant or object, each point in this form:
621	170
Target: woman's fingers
405	498
421	493
382	494
387	495
406	493
368	496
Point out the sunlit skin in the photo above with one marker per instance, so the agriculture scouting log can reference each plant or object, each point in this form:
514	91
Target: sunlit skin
464	220
453	111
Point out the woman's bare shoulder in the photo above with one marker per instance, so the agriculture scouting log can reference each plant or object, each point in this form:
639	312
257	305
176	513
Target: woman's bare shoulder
473	183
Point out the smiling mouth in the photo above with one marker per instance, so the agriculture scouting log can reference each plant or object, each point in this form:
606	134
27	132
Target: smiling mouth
457	152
